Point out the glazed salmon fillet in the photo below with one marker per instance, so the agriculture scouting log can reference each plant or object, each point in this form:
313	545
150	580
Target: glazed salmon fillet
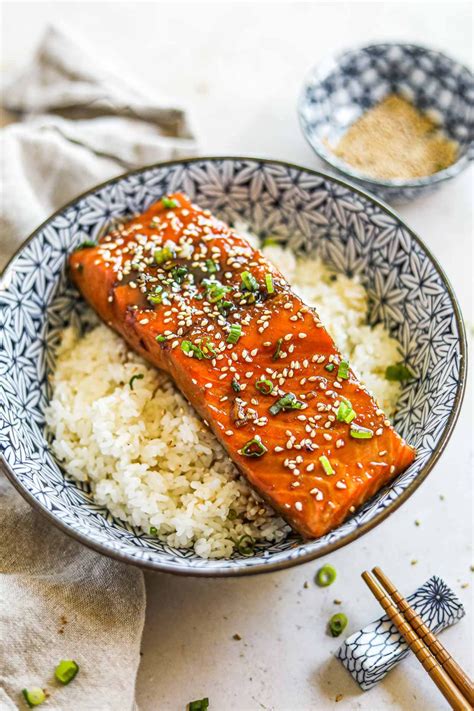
199	302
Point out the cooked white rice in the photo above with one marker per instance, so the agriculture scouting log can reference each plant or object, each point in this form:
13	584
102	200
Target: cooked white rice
146	454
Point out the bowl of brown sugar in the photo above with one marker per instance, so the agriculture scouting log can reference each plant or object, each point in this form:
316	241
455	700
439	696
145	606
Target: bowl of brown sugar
396	118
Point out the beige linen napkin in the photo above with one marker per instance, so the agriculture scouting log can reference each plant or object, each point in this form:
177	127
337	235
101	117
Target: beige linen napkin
80	125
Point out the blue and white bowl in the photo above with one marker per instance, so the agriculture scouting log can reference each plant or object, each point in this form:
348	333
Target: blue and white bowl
338	91
312	213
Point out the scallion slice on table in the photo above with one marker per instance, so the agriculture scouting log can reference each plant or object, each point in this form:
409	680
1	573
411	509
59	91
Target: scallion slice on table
34	696
254	448
398	373
337	624
169	203
343	370
264	386
66	670
358	432
325	576
234	333
199	705
326	465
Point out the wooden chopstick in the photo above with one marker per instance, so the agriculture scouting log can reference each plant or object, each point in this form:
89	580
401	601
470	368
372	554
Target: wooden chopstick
450	666
445	684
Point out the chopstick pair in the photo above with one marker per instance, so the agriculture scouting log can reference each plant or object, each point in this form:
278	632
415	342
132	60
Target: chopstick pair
451	680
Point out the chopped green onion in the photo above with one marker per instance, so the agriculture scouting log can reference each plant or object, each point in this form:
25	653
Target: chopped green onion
138	376
164	254
276	355
34	696
254	448
345	413
398	373
160	339
157	296
325	576
178	274
66	670
337	624
287	402
358	432
326	465
264	386
269	284
234	333
232	515
343	370
236	386
245	545
199	705
211	266
153	531
249	281
208	348
188	347
169	202
329	367
87	244
270	242
215	291
224	306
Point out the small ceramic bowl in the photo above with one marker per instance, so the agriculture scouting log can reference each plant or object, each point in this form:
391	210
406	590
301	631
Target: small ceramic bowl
310	212
338	91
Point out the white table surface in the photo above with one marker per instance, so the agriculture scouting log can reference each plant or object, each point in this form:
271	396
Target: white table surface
239	67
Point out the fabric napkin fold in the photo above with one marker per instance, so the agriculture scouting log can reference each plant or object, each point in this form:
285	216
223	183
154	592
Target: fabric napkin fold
79	125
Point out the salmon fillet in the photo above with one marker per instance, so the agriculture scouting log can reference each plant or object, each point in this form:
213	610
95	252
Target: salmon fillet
199	302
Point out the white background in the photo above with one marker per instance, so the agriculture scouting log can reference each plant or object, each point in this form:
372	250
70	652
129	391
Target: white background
239	68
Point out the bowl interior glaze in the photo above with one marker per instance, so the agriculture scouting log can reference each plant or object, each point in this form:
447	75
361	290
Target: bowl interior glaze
312	213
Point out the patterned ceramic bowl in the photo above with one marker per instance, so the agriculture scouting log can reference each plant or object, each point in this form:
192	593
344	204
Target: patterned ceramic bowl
312	213
340	90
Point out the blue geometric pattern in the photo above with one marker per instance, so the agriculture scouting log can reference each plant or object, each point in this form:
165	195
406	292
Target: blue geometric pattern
370	653
338	91
312	213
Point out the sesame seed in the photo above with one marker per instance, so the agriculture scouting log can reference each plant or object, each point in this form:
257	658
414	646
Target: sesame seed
298	506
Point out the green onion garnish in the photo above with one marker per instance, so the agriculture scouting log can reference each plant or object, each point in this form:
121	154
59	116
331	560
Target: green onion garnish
249	281
234	333
224	306
66	670
398	373
325	576
270	242
199	705
162	255
178	274
87	244
157	296
276	354
343	370
358	432
34	696
232	515
345	413
153	531
269	283
138	376
264	386
245	545
236	386
253	448
287	402
326	465
329	367
211	266
215	291
169	202
188	347
160	339
337	624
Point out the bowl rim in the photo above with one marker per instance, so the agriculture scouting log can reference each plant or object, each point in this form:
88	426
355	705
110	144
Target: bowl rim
266	567
333	60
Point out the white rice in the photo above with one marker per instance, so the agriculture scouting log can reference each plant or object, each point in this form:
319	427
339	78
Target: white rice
151	460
